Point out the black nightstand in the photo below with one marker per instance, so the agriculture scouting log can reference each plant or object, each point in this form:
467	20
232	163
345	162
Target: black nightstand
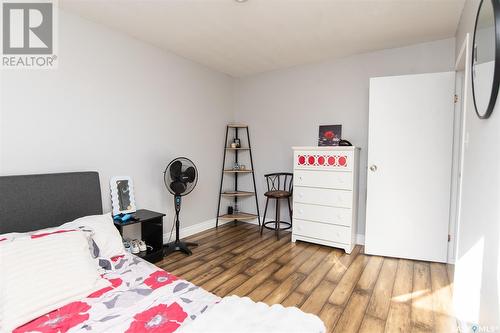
151	232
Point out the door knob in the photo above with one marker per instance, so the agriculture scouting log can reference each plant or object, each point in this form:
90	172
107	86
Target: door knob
373	167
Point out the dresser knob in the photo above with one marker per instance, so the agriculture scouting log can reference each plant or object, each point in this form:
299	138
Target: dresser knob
301	211
301	194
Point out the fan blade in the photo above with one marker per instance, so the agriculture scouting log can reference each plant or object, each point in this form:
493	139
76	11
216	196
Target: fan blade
189	175
178	187
176	170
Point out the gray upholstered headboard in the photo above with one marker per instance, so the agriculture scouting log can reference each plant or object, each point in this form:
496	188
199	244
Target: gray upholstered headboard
34	202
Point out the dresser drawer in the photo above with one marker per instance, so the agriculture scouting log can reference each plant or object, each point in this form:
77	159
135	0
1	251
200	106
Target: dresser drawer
324	179
321	196
330	232
324	160
325	214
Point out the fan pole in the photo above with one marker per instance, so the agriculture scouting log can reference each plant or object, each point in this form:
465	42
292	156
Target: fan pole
177	245
177	201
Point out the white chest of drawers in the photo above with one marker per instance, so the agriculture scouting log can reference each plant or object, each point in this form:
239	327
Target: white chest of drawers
325	195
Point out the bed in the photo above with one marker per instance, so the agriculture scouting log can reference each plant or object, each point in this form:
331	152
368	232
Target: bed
138	296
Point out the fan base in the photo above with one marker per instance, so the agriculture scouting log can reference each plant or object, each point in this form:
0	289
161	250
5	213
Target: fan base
178	246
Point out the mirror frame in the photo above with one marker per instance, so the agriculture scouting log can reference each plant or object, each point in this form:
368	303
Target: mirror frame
115	200
496	74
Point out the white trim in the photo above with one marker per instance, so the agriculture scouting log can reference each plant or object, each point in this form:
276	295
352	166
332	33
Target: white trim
209	224
454	223
463	326
193	229
464	48
255	221
360	239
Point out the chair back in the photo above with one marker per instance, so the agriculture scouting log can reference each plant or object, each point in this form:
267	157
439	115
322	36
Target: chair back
280	181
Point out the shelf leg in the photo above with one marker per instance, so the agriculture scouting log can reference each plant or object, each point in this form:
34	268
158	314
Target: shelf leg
253	176
221	179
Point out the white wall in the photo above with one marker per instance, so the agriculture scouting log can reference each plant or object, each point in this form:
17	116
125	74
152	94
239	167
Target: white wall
477	271
164	106
121	107
284	108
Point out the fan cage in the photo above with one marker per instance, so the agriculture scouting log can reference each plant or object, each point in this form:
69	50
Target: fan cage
185	164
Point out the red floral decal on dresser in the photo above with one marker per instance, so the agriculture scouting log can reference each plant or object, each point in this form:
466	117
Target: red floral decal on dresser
323	160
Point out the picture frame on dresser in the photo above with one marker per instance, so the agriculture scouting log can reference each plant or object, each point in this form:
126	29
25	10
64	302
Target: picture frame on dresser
325	200
329	135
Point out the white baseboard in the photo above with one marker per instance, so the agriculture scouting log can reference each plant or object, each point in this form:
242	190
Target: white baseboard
193	229
209	224
253	221
463	326
360	239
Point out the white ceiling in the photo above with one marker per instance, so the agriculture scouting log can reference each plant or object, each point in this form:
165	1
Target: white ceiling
261	35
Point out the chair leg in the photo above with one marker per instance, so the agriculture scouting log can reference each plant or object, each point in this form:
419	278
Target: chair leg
264	218
289	209
277	223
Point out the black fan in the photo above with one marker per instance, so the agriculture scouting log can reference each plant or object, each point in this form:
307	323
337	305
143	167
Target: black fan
180	178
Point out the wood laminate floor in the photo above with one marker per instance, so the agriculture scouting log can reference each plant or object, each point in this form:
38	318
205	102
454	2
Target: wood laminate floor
351	293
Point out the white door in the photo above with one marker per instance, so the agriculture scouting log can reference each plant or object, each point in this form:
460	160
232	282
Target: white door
409	166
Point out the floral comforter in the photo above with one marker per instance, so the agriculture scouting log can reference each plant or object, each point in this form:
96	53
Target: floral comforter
141	298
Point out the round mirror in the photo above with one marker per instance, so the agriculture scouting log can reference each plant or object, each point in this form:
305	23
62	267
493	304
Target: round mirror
485	58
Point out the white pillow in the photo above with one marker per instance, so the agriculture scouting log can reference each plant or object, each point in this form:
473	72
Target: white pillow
106	235
40	233
39	275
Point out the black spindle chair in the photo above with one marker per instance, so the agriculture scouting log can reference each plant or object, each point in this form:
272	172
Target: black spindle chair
279	186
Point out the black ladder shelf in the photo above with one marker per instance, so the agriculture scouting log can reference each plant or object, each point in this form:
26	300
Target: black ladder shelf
236	193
